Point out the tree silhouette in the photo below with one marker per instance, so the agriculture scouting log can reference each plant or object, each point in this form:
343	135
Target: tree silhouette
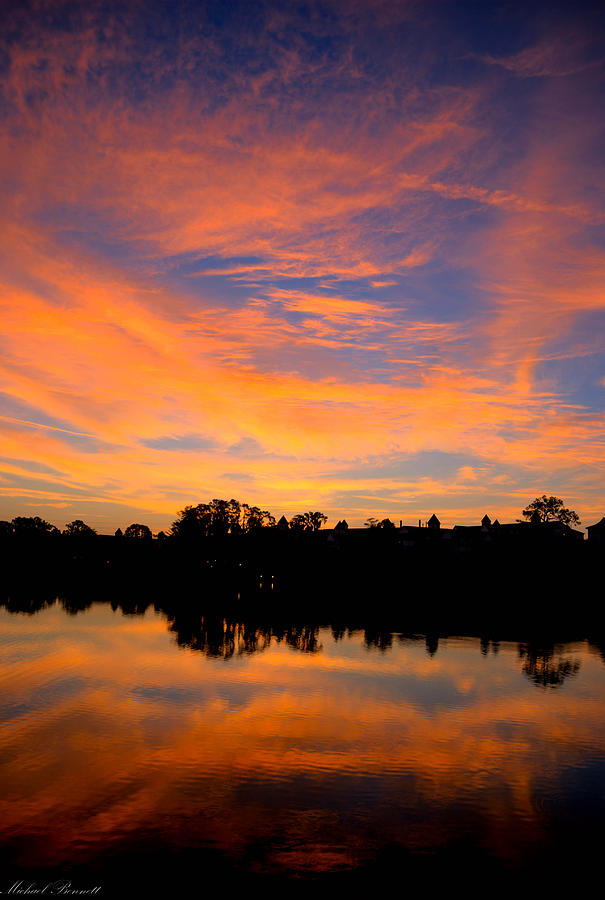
219	518
79	528
214	519
254	518
550	509
195	522
141	532
27	525
317	520
225	516
309	521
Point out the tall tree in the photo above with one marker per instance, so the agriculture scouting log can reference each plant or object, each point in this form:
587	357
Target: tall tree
79	528
225	516
317	519
194	522
550	509
32	525
214	519
254	518
309	521
140	532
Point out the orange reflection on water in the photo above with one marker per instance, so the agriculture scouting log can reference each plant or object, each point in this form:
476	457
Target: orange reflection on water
114	735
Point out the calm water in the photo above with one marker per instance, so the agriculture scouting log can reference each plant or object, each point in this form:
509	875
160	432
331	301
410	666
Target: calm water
303	752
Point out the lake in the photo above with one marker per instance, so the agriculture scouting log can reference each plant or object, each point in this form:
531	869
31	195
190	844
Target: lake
147	749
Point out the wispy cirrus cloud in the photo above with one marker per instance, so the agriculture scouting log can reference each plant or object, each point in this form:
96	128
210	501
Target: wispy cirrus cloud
556	56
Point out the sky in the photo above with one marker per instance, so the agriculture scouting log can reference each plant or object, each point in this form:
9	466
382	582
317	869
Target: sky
337	255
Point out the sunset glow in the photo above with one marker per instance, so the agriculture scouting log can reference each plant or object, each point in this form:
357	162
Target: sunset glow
266	744
345	256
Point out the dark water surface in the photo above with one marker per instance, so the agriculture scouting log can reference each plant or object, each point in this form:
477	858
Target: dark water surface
302	753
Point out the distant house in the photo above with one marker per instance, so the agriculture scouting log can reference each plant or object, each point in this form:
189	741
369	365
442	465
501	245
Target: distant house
340	529
467	537
511	538
596	533
518	532
559	530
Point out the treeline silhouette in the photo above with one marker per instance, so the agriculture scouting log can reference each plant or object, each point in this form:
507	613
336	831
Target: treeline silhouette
233	550
216	519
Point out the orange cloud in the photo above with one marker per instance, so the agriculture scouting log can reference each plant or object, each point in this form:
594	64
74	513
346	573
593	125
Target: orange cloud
330	282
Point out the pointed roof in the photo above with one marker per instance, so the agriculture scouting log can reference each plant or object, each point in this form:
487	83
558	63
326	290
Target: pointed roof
433	522
486	521
283	523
